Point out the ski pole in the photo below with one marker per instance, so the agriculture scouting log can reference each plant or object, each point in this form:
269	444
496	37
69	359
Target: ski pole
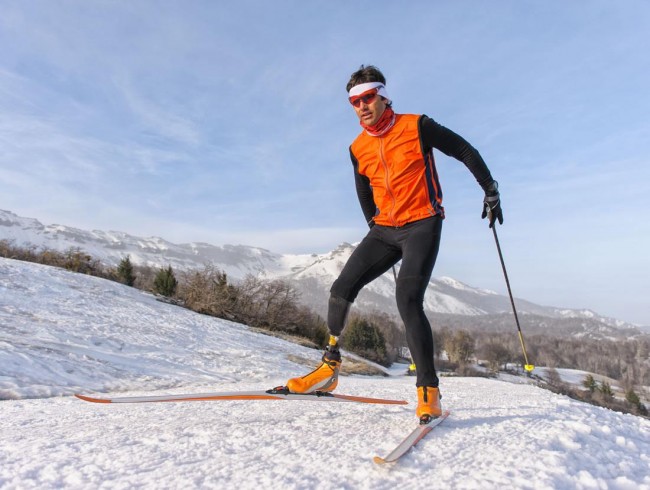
528	367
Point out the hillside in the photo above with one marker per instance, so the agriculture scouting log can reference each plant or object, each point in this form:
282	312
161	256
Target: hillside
446	300
61	333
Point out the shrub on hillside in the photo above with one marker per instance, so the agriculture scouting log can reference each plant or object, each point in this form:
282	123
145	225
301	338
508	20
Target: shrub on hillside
363	337
73	259
207	291
270	305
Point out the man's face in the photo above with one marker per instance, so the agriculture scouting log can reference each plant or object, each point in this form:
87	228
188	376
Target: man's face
369	109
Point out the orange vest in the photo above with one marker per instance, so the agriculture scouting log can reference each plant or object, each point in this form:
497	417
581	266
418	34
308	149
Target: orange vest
404	180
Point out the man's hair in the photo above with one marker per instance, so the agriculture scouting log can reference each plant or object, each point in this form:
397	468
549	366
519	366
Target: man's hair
365	74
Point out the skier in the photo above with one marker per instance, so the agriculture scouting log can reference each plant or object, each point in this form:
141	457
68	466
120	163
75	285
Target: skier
401	199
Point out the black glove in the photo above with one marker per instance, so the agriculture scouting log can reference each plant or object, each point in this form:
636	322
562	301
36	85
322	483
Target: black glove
492	204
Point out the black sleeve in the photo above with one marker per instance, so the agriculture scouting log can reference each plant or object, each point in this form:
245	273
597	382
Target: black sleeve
435	135
364	191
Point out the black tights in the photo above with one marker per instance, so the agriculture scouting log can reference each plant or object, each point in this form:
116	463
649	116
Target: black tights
416	244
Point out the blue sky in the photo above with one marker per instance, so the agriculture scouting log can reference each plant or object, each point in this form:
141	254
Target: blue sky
227	122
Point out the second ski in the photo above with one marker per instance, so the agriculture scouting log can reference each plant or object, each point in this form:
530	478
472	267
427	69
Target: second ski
411	440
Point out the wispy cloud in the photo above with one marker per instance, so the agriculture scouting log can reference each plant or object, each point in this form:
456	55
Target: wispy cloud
167	123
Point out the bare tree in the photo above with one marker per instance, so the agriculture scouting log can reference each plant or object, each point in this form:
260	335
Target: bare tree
460	347
496	354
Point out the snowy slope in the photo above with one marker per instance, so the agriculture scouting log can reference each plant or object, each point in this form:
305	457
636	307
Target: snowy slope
61	332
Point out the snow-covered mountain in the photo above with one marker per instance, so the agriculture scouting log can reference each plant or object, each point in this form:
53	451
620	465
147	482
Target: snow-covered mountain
312	274
110	247
62	333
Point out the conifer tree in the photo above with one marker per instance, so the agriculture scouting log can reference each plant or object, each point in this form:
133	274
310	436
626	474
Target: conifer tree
165	282
590	383
364	338
635	401
632	398
125	271
606	390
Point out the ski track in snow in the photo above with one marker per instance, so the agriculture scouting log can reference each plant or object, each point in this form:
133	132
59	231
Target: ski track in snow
61	333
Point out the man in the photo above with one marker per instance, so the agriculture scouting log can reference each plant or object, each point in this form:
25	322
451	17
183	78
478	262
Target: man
401	199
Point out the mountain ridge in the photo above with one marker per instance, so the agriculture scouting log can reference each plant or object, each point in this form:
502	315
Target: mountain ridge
312	274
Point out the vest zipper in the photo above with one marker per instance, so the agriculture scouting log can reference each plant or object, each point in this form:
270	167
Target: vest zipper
387	180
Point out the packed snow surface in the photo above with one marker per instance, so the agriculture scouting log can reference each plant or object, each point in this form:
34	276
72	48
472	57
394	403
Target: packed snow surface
62	333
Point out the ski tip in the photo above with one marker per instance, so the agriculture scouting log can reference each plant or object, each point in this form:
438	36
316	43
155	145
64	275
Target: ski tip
91	399
379	460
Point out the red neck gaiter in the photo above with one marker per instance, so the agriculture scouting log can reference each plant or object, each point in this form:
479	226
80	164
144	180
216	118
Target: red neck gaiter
385	122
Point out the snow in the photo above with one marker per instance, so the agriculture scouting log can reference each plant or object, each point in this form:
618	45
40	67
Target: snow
574	377
62	333
450	281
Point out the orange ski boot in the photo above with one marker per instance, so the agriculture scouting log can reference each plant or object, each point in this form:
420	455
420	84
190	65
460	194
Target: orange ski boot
323	378
428	404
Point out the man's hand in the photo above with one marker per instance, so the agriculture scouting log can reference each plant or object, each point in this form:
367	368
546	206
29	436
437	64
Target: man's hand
492	204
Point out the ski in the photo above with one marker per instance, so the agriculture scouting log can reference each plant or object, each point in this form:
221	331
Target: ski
411	440
279	393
